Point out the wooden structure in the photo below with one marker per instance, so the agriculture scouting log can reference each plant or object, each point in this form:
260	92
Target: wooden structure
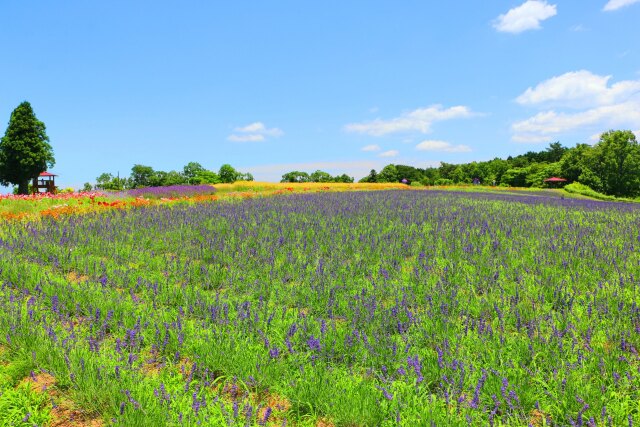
45	181
555	181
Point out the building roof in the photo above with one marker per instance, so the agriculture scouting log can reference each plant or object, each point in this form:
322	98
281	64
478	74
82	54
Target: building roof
47	174
555	179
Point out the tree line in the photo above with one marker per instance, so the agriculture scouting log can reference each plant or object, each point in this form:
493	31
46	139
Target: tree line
192	173
317	176
611	166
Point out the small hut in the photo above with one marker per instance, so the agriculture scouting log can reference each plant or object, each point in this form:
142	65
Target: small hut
45	181
555	181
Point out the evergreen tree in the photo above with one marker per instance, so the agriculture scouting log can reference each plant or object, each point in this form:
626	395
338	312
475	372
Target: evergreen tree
24	150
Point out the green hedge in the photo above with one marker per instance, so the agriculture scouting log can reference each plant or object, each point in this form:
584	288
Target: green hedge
585	190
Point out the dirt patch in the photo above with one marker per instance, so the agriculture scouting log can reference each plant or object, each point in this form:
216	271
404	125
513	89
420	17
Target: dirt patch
76	278
537	418
276	405
76	321
279	403
152	365
323	422
186	368
231	391
41	382
152	369
3	350
63	416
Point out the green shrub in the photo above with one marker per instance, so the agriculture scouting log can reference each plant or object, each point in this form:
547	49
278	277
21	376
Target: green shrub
22	406
443	181
585	190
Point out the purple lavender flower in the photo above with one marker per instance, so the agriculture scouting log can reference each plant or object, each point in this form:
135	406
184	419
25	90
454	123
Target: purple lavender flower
274	352
265	418
134	402
195	405
172	191
54	304
287	341
313	343
476	393
386	393
414	362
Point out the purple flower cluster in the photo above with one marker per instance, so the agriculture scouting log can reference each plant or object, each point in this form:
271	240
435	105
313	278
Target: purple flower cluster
171	191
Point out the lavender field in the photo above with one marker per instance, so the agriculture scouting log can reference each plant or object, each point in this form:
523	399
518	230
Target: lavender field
171	191
336	309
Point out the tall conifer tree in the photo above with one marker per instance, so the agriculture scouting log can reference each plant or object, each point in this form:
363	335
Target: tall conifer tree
24	149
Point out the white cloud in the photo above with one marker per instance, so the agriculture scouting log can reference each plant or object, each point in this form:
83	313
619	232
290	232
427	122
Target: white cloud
372	147
617	4
259	128
545	126
390	153
579	89
525	17
246	138
578	101
442	146
253	127
254	132
419	120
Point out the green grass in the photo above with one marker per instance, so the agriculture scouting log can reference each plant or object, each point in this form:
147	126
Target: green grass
577	188
20	404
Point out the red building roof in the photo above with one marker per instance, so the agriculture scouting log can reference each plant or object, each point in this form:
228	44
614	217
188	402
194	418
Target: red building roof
555	179
47	174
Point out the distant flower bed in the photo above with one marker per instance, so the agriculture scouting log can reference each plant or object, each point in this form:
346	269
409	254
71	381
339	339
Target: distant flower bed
59	196
172	191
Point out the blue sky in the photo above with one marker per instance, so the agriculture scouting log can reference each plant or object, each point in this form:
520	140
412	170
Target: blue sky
343	86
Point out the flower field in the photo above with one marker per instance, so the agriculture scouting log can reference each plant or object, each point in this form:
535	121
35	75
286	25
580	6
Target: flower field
359	308
32	207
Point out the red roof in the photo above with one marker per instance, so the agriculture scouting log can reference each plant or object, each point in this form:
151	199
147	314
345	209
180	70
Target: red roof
555	179
47	174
